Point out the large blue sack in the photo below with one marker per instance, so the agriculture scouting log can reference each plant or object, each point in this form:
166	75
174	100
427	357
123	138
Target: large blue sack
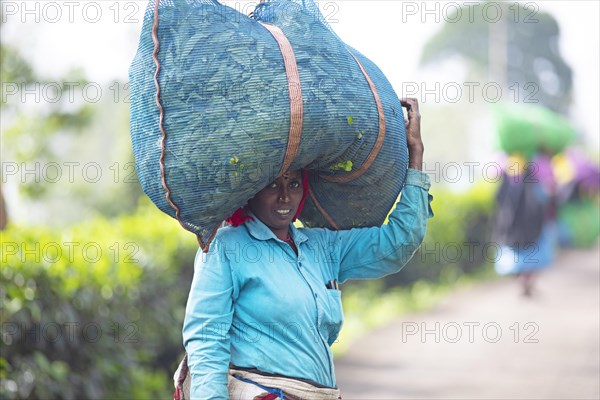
245	98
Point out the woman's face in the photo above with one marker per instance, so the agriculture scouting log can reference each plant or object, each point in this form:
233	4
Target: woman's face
277	204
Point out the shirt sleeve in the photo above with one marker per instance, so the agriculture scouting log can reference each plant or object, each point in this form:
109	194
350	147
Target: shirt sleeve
369	253
206	328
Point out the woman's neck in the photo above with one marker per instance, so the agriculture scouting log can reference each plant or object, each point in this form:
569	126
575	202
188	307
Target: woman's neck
282	234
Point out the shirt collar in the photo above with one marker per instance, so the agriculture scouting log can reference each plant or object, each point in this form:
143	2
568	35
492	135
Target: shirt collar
260	231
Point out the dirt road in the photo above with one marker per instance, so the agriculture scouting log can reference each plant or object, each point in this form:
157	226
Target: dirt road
489	342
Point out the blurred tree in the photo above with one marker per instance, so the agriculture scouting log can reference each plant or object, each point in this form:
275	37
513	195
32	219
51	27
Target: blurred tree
28	128
515	41
58	146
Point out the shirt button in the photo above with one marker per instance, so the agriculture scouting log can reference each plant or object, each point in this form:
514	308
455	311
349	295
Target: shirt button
299	265
316	296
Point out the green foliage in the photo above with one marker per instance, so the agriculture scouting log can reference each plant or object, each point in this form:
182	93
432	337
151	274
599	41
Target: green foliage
14	68
342	166
94	311
580	222
457	240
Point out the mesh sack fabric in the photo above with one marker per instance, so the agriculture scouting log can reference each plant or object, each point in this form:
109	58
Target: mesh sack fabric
246	98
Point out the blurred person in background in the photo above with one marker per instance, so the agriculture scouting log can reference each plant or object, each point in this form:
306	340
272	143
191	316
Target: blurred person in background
524	220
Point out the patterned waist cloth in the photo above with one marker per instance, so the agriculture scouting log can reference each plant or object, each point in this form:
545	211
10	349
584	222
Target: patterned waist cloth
246	385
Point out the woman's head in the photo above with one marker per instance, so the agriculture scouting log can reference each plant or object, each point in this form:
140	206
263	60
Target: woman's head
280	202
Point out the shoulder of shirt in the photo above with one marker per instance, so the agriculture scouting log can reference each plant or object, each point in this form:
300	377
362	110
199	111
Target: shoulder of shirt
227	230
229	233
316	233
225	240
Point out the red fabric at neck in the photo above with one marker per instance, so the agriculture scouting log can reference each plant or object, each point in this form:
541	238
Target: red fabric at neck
239	217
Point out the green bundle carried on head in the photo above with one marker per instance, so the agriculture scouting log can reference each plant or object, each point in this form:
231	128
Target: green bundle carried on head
245	98
527	129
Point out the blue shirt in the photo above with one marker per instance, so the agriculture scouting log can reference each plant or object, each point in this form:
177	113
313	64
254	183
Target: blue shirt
255	303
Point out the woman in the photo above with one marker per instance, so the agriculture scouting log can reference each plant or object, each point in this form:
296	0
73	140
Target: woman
264	306
525	219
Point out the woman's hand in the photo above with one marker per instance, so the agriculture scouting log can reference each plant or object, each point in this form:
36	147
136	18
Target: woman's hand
413	133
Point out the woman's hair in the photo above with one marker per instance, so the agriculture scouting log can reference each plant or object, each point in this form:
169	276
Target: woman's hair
241	215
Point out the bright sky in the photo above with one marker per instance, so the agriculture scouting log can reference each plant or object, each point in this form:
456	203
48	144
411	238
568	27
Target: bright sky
101	37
